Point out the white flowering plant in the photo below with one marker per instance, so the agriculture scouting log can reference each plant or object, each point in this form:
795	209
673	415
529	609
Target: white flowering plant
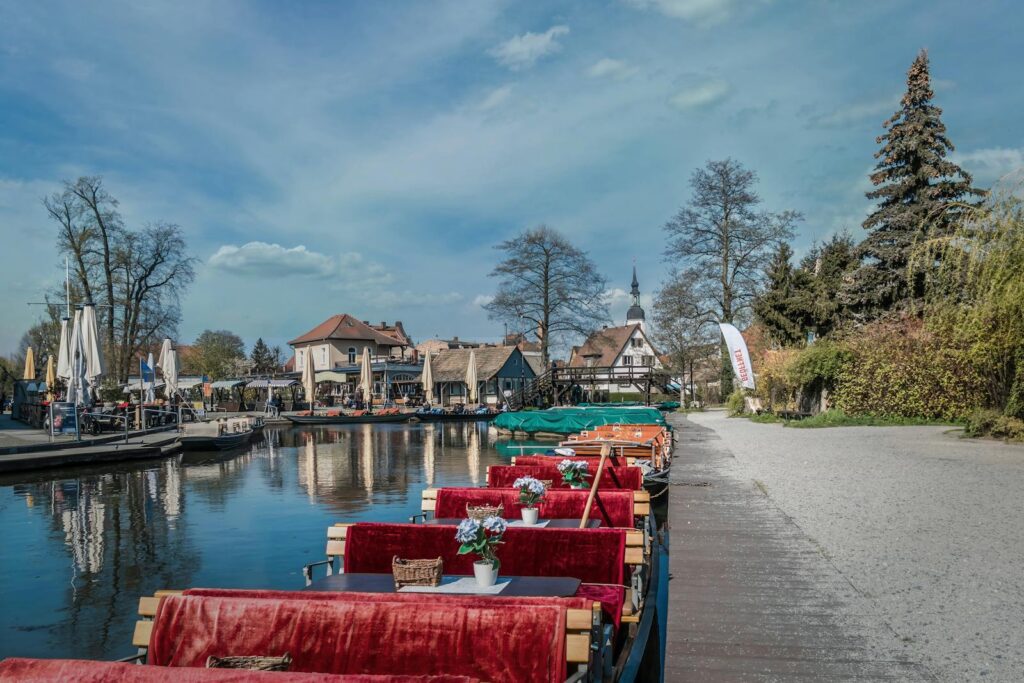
481	538
531	491
574	472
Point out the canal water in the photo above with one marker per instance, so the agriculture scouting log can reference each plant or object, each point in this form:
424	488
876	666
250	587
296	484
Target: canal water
80	546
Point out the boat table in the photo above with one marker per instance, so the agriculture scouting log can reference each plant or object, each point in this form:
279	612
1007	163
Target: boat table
551	523
518	586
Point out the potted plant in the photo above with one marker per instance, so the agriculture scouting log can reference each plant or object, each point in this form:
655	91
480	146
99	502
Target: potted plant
481	538
531	492
574	473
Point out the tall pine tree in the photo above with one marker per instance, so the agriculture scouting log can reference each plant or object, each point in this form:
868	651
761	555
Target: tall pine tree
917	188
263	360
785	308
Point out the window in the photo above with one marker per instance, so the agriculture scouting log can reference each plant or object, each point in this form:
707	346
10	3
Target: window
627	360
649	361
636	342
351	355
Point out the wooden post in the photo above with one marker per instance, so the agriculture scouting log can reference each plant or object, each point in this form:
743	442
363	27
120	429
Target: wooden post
605	450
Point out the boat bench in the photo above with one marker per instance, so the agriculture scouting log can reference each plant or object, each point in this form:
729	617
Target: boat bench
614	460
439	541
583	644
639	501
503	476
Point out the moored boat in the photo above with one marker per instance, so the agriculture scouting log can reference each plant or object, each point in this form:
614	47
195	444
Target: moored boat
219	435
340	417
449	416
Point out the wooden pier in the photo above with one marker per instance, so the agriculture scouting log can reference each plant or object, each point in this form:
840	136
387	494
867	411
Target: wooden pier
751	597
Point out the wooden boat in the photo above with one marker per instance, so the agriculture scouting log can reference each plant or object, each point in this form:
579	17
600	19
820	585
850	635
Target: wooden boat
453	417
220	435
332	418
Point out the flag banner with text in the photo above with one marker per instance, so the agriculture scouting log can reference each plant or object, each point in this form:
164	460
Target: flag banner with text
739	355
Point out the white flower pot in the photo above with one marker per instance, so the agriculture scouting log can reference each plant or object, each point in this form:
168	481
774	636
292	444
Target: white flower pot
486	573
530	516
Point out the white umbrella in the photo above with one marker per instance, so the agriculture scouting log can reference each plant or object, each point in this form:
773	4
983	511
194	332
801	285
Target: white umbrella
64	358
76	382
92	355
309	379
165	348
366	376
428	379
150	386
170	367
471	381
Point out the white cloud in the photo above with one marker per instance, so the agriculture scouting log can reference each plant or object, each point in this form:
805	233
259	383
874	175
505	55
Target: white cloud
706	94
495	98
262	259
482	300
990	164
522	52
701	12
854	113
611	68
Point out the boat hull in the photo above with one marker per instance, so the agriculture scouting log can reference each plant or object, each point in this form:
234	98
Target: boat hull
463	417
345	419
216	443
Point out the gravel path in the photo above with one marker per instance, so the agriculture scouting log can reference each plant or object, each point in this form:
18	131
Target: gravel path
927	528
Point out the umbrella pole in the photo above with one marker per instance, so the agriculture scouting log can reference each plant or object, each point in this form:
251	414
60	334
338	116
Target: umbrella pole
605	450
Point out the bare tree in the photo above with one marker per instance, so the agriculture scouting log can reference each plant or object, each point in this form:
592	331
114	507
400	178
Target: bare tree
549	283
680	328
721	243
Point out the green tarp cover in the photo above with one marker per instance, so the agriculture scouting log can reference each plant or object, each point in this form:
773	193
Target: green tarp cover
669	405
572	420
614	404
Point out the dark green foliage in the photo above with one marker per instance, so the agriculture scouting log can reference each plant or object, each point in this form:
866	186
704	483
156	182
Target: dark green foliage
917	190
786	306
827	265
263	359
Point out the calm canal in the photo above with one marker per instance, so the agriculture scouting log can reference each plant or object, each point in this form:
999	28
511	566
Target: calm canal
80	546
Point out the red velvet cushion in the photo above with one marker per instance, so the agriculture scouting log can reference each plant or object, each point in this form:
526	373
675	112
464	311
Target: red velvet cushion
552	460
503	476
591	555
613	507
612	598
357	637
87	671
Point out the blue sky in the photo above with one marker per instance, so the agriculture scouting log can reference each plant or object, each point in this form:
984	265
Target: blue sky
328	157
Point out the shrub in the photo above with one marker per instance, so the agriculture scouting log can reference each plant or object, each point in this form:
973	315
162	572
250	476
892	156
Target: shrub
985	422
734	404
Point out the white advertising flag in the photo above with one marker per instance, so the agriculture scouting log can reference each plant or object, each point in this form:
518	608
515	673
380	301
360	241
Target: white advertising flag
739	355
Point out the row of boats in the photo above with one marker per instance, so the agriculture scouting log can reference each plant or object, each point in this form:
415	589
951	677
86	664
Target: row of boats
580	594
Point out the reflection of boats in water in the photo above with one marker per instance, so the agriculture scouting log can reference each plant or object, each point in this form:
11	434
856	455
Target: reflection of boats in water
220	435
441	416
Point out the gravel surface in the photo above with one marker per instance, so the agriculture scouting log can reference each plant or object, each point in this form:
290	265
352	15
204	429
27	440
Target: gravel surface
926	526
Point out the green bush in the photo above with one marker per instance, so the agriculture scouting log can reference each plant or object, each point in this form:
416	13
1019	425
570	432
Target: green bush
985	422
734	404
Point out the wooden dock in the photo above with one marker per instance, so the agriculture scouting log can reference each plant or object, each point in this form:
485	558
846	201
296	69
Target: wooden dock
752	598
139	448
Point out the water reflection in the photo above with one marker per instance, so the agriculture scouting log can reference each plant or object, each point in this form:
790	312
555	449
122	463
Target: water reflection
82	545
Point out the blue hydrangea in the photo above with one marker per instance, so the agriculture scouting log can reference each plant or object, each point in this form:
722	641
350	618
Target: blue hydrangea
578	465
531	484
496	525
467	531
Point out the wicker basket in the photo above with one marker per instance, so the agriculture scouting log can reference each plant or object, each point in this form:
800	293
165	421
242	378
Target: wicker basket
416	572
482	512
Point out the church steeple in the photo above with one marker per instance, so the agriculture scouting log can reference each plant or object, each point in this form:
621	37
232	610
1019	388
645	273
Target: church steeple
635	314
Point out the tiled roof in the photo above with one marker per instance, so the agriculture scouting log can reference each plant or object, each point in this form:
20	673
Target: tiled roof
603	346
451	365
344	326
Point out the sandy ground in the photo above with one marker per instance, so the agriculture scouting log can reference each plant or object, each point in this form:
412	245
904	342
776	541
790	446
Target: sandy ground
928	529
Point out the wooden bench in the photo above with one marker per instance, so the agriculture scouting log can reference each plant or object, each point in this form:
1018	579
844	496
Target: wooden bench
641	502
580	627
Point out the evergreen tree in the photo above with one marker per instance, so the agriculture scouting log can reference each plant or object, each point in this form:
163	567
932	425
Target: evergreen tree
828	266
785	308
263	360
916	189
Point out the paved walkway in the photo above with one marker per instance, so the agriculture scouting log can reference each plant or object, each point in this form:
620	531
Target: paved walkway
752	597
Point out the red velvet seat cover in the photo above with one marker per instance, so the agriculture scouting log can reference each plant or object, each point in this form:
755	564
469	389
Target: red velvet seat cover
87	671
486	641
613	507
590	555
503	476
553	460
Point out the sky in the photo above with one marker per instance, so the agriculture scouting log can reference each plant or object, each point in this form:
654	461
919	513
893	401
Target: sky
366	157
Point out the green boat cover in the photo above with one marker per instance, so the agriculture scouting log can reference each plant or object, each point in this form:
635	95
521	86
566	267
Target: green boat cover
614	404
573	420
668	405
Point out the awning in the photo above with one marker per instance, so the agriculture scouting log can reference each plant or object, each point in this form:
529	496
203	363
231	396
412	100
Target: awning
272	383
331	376
129	388
189	382
228	383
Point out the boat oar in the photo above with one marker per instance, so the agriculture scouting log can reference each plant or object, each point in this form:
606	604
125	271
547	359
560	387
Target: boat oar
605	450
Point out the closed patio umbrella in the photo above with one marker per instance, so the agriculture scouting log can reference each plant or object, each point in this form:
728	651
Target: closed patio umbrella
170	368
92	355
165	348
366	376
471	380
64	352
150	386
76	382
30	365
428	379
51	377
309	379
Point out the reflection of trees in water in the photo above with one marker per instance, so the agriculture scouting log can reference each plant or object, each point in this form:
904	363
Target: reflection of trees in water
118	529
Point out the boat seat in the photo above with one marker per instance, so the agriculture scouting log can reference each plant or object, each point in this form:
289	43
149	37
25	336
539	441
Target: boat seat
640	502
503	476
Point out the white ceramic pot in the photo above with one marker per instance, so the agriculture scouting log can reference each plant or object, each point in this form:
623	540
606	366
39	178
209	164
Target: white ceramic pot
530	516
486	574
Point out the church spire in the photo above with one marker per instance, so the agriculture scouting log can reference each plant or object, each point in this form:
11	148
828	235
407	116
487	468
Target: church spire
635	314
